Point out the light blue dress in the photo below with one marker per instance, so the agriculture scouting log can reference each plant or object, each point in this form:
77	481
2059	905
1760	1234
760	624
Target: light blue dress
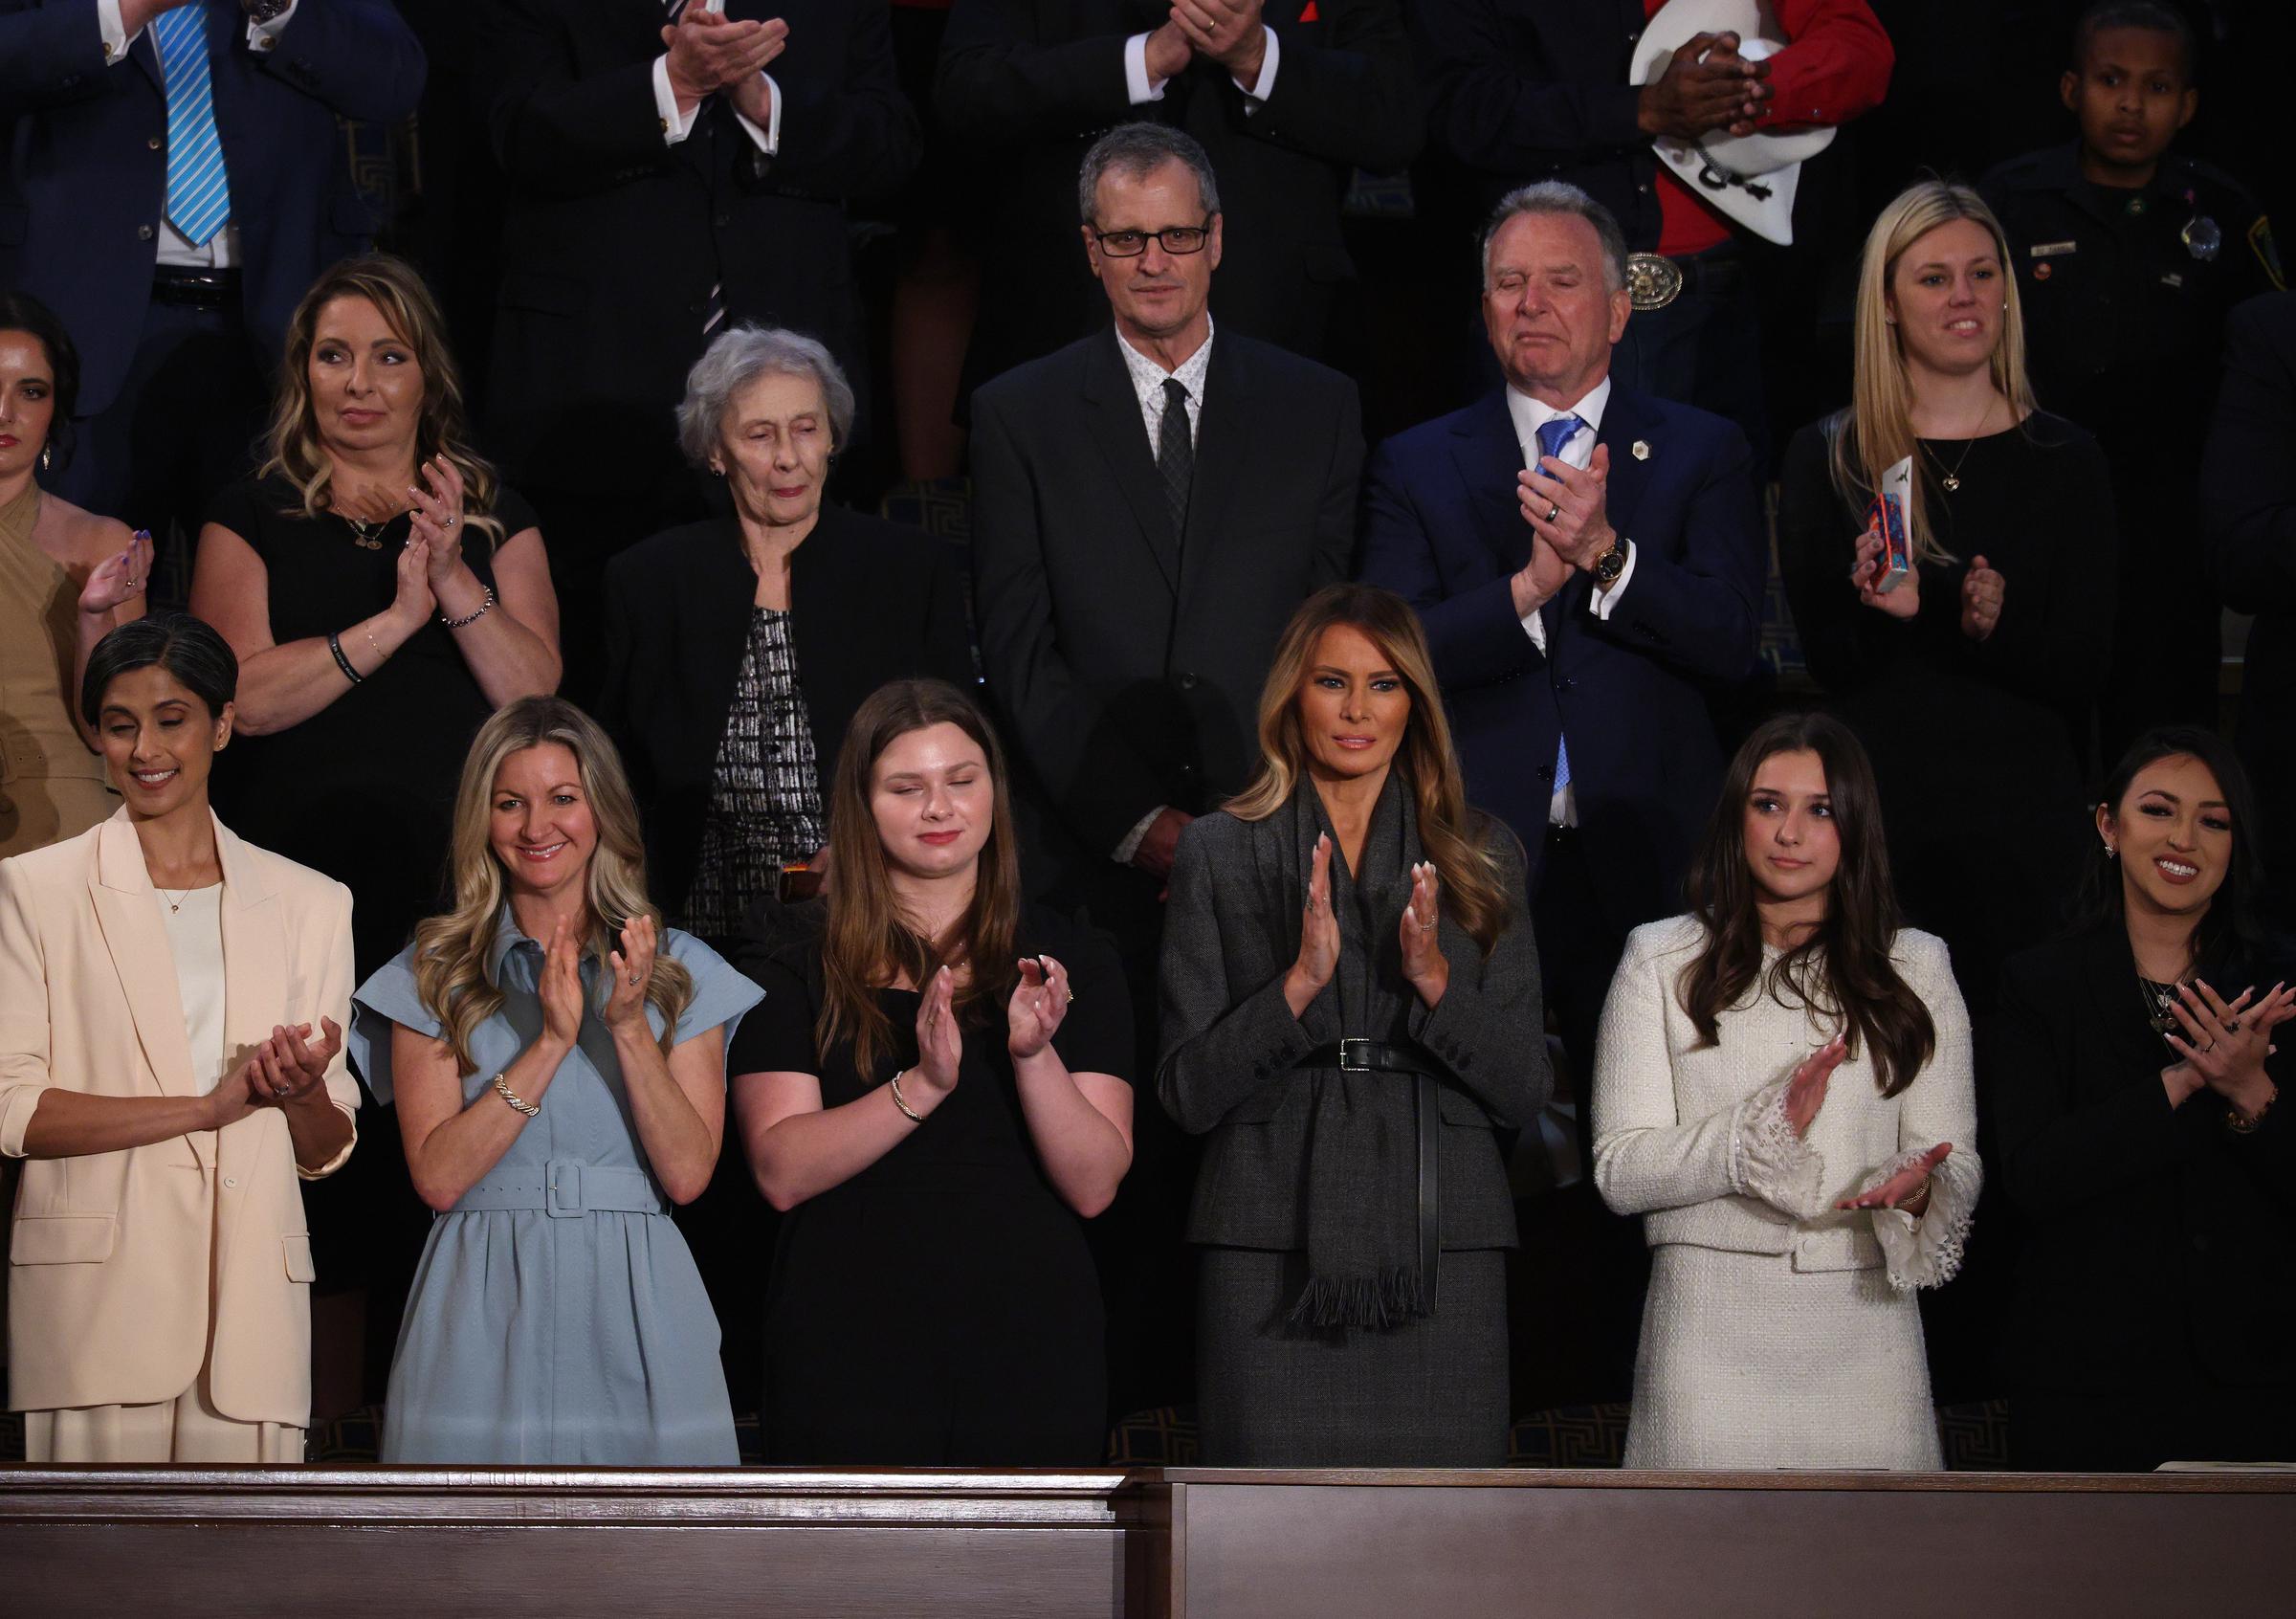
557	1317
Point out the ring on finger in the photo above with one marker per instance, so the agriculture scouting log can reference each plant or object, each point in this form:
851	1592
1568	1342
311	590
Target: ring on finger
1554	510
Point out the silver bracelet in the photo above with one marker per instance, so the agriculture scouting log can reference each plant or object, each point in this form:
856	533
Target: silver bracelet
484	608
531	1110
899	1101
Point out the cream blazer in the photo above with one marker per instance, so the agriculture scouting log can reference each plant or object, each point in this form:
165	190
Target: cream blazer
112	1254
1694	1137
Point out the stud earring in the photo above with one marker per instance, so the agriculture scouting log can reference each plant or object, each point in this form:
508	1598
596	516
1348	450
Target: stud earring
2110	853
47	456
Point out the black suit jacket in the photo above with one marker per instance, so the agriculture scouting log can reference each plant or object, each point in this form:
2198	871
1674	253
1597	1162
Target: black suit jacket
2155	1242
2248	502
869	602
1128	661
612	239
1037	81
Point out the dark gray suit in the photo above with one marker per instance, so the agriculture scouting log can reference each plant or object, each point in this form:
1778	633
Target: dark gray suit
1429	1390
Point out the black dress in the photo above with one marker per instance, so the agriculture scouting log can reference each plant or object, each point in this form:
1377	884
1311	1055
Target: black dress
2154	1311
363	791
1981	748
938	1309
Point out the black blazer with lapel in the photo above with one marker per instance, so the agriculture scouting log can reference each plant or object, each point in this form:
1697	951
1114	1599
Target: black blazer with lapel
1444	530
1126	663
612	239
869	602
2156	1244
1037	81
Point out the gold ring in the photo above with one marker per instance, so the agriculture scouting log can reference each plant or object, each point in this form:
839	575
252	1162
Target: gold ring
1070	1001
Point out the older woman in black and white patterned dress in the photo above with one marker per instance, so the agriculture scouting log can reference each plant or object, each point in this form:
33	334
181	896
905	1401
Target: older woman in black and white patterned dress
738	648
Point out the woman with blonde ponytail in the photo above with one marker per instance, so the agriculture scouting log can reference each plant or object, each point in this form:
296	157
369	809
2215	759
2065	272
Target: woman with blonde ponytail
558	1059
1969	679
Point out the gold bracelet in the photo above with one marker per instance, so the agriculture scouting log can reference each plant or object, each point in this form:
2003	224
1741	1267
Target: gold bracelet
899	1101
531	1110
2245	1123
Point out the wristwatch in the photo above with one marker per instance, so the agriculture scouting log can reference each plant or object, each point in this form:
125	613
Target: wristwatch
1611	562
260	12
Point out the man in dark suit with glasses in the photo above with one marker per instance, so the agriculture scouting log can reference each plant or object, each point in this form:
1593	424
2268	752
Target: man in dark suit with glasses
1151	504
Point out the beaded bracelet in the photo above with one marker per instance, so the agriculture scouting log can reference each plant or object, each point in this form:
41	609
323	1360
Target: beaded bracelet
484	608
342	662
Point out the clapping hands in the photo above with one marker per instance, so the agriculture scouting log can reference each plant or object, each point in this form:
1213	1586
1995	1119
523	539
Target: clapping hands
632	970
1039	1002
1423	963
119	578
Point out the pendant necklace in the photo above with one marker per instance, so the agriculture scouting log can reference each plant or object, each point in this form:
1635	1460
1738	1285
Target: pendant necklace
367	536
176	904
1950	477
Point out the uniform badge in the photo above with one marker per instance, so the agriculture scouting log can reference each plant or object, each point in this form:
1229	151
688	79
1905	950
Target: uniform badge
1642	450
2202	239
2042	271
2050	250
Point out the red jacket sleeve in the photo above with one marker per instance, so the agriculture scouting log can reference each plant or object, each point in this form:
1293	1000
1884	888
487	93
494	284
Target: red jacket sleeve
1836	64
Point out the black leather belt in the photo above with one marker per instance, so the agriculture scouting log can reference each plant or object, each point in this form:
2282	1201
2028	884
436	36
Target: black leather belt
197	289
1370	1057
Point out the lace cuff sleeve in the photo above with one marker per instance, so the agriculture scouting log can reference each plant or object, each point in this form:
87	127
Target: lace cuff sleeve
1769	1161
1926	1252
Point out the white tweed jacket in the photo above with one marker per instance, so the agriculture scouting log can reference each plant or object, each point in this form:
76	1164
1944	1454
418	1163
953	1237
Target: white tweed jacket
1694	1138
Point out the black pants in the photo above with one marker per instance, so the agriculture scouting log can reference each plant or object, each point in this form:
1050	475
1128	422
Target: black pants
1578	954
1705	348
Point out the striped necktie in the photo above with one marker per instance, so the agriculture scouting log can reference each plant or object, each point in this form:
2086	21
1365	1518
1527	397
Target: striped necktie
199	194
1553	436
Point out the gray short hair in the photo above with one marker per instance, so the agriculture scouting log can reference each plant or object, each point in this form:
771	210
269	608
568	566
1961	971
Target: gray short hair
739	356
1138	150
1560	196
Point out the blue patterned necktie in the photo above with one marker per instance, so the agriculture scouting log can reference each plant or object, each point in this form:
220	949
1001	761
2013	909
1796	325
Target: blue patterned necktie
199	195
1553	436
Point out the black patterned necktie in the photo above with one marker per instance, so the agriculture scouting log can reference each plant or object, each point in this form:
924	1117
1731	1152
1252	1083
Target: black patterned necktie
1176	453
713	312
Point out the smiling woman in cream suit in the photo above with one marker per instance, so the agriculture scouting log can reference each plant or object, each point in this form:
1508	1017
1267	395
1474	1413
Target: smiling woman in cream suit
171	1002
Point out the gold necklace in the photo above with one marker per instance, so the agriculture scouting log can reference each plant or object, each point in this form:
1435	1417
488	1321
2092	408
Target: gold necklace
173	905
368	536
1950	478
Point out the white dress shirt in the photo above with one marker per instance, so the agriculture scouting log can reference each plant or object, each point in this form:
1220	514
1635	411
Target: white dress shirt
677	125
1141	89
221	251
1148	385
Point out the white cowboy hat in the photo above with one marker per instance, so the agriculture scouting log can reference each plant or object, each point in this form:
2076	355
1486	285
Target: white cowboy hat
1752	178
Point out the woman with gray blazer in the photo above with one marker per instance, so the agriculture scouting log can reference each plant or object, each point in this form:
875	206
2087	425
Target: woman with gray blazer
1350	1010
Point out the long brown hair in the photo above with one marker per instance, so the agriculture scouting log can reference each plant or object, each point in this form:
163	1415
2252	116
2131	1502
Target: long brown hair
1467	872
290	443
452	951
1876	432
1843	970
870	940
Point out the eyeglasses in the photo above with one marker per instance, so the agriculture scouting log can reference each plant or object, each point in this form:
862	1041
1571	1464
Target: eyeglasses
1172	238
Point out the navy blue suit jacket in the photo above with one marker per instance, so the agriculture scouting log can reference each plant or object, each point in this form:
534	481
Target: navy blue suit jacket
1445	531
84	180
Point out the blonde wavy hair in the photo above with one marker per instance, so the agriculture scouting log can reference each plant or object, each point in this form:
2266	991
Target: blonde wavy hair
452	952
1876	432
291	445
1472	894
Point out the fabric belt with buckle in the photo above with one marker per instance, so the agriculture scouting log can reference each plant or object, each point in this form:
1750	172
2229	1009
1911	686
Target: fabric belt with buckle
1376	1056
565	1188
